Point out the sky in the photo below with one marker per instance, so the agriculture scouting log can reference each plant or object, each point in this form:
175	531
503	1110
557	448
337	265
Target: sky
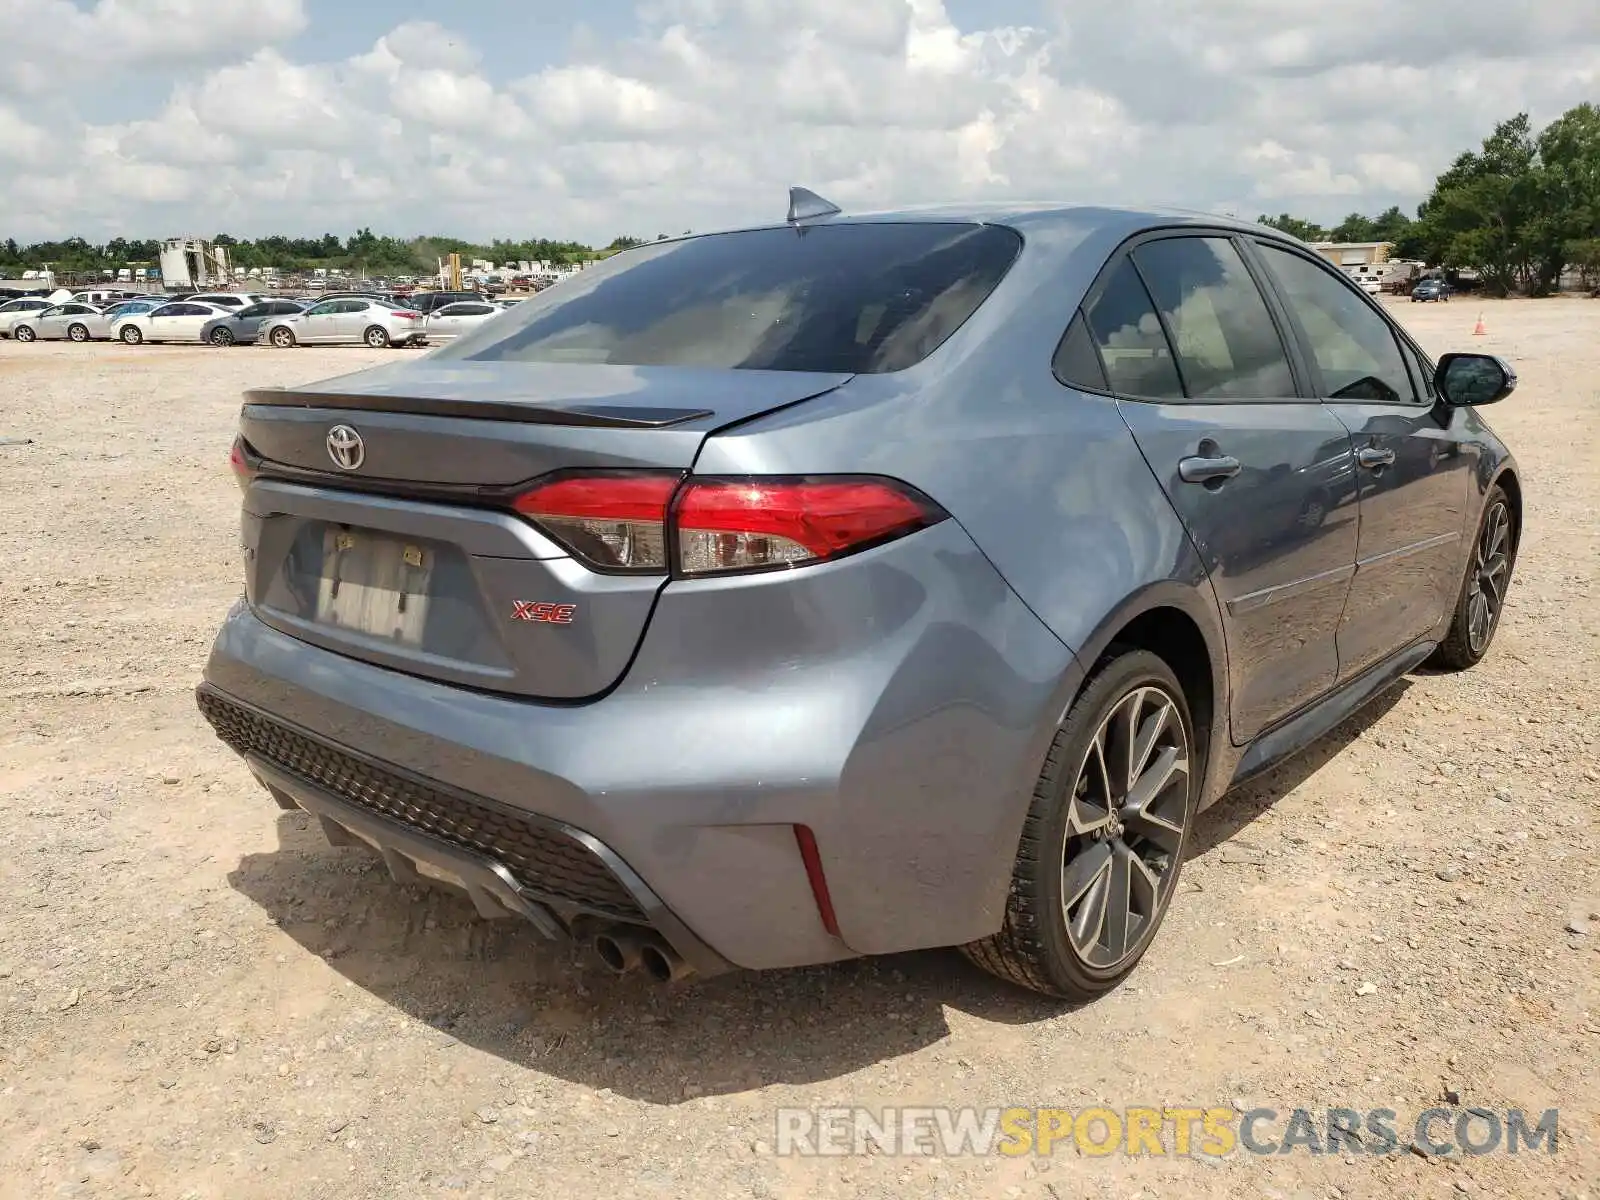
532	118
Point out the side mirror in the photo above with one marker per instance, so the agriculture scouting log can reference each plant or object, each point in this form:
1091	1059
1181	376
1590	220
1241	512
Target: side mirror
1467	380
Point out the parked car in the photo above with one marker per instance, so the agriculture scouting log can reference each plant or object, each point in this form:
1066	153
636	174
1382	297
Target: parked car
129	307
426	302
244	325
375	322
13	311
452	320
1431	289
64	322
771	600
235	301
179	321
1371	285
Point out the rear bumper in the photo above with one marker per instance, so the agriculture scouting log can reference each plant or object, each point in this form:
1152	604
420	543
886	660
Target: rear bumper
898	703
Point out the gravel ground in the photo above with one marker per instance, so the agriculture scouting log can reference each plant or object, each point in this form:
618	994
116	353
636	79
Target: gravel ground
200	998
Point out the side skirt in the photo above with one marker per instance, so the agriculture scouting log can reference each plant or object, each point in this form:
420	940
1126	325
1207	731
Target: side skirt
1298	732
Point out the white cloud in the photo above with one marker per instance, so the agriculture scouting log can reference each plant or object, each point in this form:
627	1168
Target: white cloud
55	41
700	112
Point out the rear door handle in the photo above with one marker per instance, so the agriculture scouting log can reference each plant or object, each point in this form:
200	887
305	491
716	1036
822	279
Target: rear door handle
1374	457
1202	470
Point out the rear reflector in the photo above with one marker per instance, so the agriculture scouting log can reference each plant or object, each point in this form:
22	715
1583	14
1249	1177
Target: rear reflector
812	857
626	520
615	521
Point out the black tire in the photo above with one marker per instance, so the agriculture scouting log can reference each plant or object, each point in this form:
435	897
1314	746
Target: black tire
1490	562
1034	948
77	332
221	336
376	336
130	335
282	337
23	333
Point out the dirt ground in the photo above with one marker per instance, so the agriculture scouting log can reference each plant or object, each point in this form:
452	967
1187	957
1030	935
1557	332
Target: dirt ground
200	998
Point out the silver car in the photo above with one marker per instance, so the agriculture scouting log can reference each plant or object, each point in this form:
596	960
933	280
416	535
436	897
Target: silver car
71	322
854	586
244	325
347	320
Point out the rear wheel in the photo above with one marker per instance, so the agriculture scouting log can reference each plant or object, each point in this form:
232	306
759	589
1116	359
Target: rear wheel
1104	838
23	333
78	333
222	336
282	337
131	335
1483	591
376	337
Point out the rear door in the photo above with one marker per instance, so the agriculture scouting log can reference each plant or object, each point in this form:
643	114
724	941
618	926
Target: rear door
350	318
193	318
1258	471
1413	477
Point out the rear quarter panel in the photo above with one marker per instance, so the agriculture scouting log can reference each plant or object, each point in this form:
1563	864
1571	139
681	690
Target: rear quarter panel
1047	481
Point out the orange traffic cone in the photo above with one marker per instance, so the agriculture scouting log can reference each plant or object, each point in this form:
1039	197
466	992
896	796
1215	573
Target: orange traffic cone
1479	330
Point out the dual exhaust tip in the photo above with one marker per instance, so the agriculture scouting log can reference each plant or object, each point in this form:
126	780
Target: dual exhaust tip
625	950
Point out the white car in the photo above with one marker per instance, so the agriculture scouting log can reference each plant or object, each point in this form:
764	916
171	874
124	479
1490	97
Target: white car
347	319
453	320
180	321
233	301
69	322
1371	287
13	311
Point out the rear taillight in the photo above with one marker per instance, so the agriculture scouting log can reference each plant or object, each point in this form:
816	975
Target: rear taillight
614	521
760	524
653	522
239	462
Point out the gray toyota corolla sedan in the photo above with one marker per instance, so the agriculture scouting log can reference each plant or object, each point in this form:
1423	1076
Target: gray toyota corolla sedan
859	583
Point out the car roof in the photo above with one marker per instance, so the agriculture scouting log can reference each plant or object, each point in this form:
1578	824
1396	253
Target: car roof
1028	215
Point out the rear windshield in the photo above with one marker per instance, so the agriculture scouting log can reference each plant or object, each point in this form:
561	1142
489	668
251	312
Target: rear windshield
857	298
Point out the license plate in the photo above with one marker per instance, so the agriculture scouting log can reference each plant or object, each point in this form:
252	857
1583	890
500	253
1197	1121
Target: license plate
374	585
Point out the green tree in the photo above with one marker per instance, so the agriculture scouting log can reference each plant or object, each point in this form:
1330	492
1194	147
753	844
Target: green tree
1306	231
1513	209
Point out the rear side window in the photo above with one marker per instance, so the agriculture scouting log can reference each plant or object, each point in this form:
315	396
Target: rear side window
1077	362
1227	345
1351	345
857	298
1128	334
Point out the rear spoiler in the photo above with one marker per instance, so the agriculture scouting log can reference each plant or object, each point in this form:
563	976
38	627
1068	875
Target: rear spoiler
593	416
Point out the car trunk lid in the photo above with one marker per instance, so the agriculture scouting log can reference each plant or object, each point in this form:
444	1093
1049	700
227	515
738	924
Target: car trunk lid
394	540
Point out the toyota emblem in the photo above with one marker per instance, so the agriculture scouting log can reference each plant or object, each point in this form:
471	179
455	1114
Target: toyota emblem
346	448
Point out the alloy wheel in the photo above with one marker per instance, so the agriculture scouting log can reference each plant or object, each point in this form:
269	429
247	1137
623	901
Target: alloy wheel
1491	567
1125	828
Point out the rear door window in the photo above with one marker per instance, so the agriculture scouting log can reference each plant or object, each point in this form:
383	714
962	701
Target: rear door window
1128	334
852	297
1227	345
